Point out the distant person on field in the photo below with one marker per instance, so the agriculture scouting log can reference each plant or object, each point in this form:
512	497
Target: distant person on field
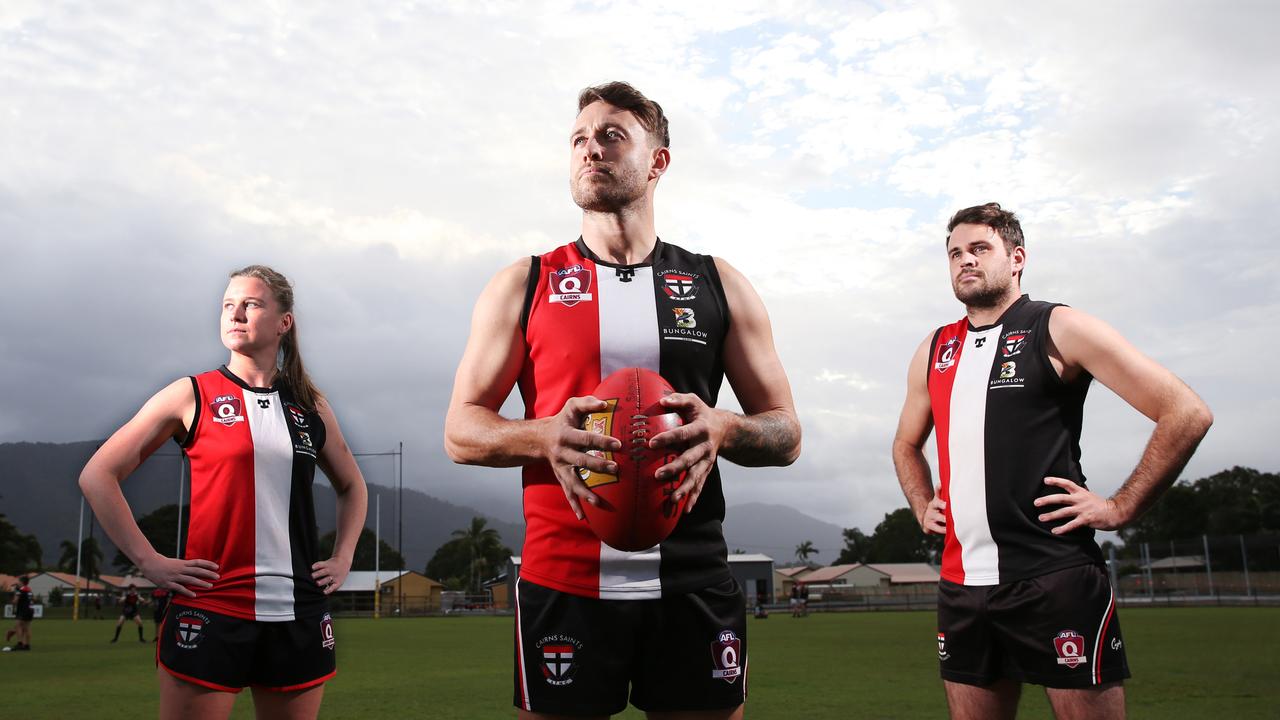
24	613
1024	595
795	599
129	602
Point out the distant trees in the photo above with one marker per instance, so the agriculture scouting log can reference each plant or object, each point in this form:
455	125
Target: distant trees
475	553
856	547
897	539
1239	501
90	557
18	552
364	555
160	526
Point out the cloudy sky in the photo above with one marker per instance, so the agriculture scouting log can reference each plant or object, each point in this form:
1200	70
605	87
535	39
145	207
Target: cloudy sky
390	161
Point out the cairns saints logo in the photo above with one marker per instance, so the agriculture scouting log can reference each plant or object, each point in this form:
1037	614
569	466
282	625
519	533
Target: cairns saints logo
559	658
190	628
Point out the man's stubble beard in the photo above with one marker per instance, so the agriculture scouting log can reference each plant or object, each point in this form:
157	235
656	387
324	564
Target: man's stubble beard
988	296
622	189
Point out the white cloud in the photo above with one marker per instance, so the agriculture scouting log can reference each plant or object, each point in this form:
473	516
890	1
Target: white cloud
398	158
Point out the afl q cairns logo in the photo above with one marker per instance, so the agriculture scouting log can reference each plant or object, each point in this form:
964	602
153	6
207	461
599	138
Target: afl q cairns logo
570	286
946	356
726	654
327	640
1070	647
227	410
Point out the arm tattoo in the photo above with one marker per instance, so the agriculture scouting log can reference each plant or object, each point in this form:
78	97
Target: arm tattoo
770	438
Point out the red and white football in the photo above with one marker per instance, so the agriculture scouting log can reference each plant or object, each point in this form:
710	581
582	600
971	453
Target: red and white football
636	511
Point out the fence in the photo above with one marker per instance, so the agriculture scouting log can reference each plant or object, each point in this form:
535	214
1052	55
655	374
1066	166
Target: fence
445	603
1207	569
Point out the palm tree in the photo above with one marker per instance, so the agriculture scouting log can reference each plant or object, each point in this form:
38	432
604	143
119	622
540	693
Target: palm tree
90	557
804	550
480	542
67	561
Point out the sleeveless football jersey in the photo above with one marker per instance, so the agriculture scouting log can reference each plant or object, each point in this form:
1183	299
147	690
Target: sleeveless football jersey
584	318
253	458
1005	421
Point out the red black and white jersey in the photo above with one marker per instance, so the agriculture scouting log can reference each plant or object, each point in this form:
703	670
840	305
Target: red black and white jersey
584	318
130	601
253	458
22	600
1005	421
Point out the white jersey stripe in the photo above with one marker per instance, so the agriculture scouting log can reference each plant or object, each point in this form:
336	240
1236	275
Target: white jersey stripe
967	445
272	486
630	575
628	338
628	321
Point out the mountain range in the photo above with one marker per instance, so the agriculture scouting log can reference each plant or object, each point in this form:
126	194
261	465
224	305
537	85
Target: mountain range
39	494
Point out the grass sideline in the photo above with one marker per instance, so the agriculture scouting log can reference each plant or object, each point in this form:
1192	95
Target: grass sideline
1187	663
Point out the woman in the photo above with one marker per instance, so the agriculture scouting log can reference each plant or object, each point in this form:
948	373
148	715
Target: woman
249	591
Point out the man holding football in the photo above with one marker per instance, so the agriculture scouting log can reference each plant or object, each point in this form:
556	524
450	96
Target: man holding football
663	627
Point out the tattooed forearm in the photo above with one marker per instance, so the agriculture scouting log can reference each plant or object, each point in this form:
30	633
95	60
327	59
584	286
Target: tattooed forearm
769	438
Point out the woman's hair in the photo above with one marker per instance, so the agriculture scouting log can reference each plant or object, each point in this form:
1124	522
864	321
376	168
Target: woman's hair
295	375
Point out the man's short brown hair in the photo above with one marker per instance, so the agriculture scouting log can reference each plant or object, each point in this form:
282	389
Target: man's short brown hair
622	95
1003	222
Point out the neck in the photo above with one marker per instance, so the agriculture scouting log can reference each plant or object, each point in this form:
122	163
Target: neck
257	370
980	316
625	237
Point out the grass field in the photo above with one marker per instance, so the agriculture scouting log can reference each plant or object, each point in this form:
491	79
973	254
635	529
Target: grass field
1187	663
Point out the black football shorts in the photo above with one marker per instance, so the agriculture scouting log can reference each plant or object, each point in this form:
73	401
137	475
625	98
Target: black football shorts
1059	630
227	653
578	655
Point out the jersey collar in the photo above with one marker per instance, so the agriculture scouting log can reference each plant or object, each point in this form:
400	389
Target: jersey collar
275	384
1000	320
586	252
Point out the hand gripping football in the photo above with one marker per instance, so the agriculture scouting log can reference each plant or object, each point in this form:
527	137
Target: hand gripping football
636	511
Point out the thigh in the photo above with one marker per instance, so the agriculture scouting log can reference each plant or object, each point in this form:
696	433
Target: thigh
182	700
297	705
997	701
967	651
693	654
1105	702
573	655
207	649
295	655
1060	630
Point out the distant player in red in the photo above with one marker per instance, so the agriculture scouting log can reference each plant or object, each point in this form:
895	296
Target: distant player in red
595	627
24	613
1024	595
129	611
249	606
